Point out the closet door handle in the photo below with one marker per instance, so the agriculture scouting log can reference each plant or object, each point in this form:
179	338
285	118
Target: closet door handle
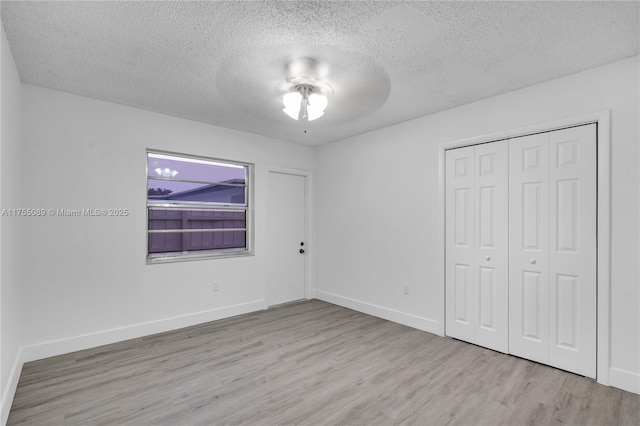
487	257
532	261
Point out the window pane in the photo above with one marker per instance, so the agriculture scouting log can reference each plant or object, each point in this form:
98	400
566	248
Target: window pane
167	166
170	192
209	207
196	219
195	241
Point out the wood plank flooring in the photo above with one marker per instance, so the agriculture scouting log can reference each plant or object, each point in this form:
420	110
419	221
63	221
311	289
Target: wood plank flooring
307	363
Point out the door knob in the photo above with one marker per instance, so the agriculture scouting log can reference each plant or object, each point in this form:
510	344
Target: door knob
488	257
301	251
532	261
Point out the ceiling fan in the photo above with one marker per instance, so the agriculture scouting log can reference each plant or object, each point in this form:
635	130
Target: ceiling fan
305	91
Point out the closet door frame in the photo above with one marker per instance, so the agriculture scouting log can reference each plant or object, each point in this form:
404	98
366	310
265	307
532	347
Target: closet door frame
603	120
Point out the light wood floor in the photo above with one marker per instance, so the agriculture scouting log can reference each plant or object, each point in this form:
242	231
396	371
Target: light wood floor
307	363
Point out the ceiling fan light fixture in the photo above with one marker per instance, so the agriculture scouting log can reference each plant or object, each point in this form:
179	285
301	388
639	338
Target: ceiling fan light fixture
303	104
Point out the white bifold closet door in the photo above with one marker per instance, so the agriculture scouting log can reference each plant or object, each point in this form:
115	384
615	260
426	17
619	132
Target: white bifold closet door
521	247
552	266
477	245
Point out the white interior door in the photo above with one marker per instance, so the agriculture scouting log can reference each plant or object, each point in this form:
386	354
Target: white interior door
572	246
552	203
460	257
491	268
521	247
528	245
285	234
477	245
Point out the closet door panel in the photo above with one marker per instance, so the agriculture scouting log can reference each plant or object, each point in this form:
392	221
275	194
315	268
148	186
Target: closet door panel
573	249
491	245
459	268
528	247
521	247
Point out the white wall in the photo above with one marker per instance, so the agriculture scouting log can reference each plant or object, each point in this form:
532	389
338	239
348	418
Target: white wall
10	232
85	278
377	204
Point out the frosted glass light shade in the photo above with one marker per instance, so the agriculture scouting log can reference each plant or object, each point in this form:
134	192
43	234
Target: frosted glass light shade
291	102
316	104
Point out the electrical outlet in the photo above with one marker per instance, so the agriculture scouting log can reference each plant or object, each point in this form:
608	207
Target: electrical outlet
214	286
406	289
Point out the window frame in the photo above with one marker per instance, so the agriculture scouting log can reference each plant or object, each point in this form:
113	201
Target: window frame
248	250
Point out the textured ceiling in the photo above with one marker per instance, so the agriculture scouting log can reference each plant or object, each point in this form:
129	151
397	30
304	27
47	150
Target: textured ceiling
220	62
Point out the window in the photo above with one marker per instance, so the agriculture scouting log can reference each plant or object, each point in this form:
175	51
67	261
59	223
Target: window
197	207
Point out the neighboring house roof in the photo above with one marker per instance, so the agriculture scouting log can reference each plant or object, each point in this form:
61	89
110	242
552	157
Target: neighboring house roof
213	192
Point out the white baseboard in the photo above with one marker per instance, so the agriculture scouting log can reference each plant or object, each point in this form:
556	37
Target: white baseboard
10	391
410	320
625	380
105	337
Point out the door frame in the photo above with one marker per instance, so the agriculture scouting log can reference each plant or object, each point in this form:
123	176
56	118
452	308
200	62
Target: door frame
603	315
309	258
